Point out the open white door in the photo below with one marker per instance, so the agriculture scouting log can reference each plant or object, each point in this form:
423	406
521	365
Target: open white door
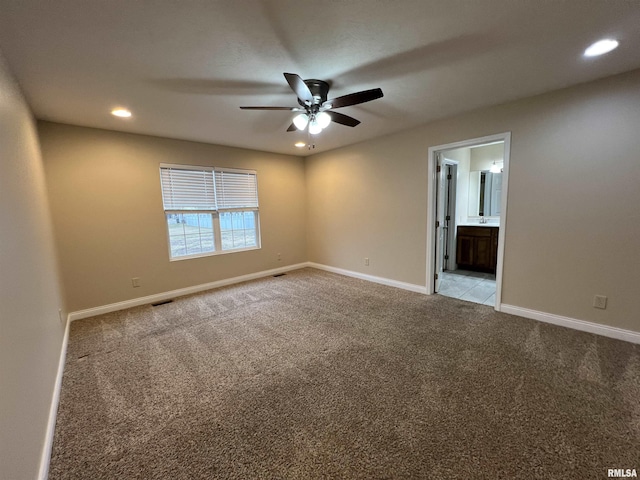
441	179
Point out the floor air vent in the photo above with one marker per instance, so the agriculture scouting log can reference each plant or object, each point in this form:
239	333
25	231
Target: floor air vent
161	303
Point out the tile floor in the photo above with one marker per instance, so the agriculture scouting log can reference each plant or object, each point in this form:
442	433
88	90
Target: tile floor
474	287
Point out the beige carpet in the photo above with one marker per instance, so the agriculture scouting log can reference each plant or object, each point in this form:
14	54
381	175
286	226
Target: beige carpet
316	375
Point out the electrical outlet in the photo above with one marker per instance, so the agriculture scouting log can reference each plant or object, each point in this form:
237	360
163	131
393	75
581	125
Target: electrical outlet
600	301
366	262
135	282
279	257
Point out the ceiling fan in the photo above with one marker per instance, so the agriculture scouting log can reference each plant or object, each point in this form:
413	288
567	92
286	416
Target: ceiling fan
316	111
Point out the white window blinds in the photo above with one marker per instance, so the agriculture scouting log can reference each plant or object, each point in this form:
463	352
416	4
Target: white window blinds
187	189
236	189
207	188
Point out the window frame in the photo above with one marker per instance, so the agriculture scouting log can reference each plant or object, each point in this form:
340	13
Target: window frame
215	214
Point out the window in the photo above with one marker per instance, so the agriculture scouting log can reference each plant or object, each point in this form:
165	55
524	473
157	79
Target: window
209	210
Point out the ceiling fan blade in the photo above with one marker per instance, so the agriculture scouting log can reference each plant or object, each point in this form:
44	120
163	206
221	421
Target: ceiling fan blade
292	128
299	87
343	119
354	98
291	109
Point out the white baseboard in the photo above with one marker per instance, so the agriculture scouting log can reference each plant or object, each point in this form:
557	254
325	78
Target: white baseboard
575	324
158	297
582	325
363	276
45	459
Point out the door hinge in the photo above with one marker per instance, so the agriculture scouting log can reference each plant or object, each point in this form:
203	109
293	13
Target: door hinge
446	257
435	276
449	177
437	223
438	168
447	218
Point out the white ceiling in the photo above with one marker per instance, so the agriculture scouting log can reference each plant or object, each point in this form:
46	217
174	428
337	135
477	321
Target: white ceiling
184	67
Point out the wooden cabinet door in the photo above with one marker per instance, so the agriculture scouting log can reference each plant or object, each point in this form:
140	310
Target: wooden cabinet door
483	253
464	252
477	248
494	249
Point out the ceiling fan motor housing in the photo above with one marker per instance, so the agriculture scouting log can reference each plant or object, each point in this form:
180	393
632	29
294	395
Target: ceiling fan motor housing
319	89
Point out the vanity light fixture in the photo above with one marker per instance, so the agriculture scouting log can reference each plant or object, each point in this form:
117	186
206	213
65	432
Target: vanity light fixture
601	47
121	112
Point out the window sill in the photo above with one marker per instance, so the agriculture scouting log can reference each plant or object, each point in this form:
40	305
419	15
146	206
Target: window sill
211	254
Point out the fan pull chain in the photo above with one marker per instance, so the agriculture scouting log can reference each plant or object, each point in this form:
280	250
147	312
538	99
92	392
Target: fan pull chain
310	144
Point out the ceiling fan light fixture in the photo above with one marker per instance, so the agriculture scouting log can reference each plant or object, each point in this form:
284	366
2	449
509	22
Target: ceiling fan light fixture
323	119
301	121
314	127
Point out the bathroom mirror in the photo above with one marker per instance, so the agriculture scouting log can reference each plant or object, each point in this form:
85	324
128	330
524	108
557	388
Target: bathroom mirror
485	190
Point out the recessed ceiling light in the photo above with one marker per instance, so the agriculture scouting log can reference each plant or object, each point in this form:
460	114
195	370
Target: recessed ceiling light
300	144
121	112
601	47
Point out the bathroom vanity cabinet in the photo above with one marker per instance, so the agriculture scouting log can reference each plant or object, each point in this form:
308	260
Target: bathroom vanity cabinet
477	248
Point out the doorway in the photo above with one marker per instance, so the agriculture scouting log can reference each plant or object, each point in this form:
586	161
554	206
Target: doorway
467	205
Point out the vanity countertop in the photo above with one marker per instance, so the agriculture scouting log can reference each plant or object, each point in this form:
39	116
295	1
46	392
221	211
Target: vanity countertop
479	225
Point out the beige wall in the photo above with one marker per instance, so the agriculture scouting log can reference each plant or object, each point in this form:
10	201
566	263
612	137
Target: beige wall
573	222
31	332
109	222
482	158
